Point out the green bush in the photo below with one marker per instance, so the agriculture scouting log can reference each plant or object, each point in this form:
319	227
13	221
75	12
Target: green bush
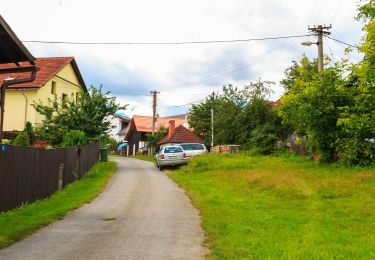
22	139
74	138
261	141
29	130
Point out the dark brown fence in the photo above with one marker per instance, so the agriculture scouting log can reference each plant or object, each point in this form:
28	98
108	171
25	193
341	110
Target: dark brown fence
28	174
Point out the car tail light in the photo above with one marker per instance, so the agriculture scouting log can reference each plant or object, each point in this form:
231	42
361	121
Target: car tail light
162	156
184	155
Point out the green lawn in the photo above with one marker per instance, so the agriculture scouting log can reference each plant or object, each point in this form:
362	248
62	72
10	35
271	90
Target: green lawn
16	224
282	207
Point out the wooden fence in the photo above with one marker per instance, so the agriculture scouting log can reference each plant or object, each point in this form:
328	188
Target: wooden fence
28	174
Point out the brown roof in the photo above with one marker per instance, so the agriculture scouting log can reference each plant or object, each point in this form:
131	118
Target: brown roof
144	123
11	48
48	67
181	135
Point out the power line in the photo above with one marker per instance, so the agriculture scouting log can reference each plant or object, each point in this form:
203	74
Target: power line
252	61
347	44
166	43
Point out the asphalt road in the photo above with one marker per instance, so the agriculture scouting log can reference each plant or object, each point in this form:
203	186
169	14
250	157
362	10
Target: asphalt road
141	214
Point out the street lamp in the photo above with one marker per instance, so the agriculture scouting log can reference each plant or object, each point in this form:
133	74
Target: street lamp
308	43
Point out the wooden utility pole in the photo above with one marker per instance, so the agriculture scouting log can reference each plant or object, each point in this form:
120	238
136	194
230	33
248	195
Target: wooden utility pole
212	119
154	106
320	31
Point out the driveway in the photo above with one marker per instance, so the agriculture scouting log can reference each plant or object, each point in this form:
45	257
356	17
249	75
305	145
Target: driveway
141	214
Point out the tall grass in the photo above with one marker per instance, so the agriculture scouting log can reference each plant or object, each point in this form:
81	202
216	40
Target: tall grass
282	207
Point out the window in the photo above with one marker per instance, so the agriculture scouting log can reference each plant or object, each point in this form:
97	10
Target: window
191	147
53	88
77	96
198	147
173	150
187	147
64	97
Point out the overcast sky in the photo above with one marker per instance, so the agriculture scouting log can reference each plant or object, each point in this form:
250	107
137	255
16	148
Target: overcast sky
182	73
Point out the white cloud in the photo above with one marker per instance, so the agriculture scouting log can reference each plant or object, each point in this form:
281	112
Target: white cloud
182	73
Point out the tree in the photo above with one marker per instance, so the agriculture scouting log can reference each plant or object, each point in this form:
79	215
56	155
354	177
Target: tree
89	113
238	112
153	139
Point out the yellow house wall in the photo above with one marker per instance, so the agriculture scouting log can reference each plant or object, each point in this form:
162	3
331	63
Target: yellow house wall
17	110
66	83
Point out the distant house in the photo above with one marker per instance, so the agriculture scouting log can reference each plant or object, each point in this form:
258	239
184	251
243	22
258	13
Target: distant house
141	125
179	135
58	76
120	123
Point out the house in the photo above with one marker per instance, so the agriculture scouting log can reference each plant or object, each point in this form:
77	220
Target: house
179	135
141	125
120	123
58	76
12	51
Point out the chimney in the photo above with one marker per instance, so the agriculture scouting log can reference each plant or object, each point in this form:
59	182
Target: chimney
171	127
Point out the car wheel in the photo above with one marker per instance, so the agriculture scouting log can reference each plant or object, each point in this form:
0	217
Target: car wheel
160	167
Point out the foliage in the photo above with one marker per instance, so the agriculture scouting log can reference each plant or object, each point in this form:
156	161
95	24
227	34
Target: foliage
336	108
261	141
29	130
153	139
6	141
238	112
313	104
74	138
285	207
90	113
22	139
107	141
18	223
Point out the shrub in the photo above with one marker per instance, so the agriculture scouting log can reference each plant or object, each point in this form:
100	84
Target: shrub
261	142
22	139
74	138
29	130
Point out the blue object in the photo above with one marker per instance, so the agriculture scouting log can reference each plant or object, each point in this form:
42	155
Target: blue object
121	146
3	147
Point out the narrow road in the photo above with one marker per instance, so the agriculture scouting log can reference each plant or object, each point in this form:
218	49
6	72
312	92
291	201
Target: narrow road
141	214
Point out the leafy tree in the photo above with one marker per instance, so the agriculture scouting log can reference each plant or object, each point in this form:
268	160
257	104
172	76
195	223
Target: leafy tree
238	112
357	120
74	138
90	114
153	139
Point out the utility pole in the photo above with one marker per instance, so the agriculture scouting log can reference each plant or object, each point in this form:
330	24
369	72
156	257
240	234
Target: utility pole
212	119
320	31
154	106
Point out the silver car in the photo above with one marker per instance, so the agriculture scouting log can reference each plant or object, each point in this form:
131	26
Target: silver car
193	149
170	155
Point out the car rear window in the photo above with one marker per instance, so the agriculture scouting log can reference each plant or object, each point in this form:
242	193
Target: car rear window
191	147
198	147
187	147
173	150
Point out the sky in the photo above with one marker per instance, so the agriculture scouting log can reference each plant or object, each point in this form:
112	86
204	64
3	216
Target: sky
183	74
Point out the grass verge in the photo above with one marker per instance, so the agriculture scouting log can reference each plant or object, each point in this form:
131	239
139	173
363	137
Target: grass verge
282	207
20	222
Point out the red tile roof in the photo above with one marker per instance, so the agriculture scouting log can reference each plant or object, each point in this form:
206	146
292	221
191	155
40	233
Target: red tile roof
181	135
48	67
144	123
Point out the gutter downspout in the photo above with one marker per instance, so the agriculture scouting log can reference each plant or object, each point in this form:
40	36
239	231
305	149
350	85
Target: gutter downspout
27	103
33	69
